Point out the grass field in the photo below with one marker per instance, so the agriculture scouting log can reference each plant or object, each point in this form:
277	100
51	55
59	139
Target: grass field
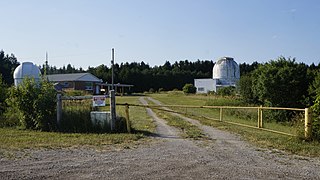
261	138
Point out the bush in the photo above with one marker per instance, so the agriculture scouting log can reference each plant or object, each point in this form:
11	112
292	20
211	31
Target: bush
189	89
34	105
226	91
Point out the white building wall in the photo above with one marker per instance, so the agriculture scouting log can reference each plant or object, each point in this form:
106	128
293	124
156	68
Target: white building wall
205	85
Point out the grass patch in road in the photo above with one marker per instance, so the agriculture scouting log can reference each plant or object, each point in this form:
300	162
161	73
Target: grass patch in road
188	130
140	120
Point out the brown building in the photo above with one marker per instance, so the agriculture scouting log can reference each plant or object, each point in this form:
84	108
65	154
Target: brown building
77	81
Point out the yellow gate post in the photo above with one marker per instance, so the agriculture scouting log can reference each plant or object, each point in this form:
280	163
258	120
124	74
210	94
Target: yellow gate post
127	119
307	124
261	117
221	114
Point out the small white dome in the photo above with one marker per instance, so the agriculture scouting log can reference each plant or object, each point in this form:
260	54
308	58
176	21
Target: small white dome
26	69
227	71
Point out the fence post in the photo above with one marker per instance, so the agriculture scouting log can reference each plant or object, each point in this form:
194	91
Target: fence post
59	110
113	109
261	117
307	124
221	114
127	118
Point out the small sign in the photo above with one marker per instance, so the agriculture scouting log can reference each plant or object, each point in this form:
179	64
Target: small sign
99	101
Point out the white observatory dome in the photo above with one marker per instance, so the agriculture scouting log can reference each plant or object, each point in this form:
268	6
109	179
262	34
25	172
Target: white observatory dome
26	69
226	71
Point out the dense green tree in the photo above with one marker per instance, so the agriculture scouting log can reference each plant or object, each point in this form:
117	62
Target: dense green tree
7	67
248	68
245	88
280	82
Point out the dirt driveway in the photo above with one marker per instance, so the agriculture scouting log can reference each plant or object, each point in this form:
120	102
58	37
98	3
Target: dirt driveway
222	156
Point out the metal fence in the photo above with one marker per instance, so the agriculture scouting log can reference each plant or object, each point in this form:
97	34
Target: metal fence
221	117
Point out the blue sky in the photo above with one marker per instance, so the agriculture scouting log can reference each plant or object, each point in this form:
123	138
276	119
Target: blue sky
83	32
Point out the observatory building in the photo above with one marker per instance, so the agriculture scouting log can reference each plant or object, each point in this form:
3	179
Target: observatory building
26	69
226	72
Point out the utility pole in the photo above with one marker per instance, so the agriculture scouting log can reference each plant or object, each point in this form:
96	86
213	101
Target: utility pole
112	67
112	95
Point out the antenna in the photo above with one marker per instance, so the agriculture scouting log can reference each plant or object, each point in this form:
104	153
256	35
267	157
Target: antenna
46	64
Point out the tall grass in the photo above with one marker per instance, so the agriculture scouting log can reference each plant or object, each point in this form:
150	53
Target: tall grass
76	118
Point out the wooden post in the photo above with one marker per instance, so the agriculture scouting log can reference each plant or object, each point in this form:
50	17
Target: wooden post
221	114
307	124
113	109
59	110
127	119
261	118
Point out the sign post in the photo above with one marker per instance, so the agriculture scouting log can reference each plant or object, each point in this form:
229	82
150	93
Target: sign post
98	101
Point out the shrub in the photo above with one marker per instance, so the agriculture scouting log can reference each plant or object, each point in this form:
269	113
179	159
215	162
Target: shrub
189	89
226	91
34	105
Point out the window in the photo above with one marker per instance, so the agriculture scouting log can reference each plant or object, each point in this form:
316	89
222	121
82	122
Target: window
89	86
200	88
65	84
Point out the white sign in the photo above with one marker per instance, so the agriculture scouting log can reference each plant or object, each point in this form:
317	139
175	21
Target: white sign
99	101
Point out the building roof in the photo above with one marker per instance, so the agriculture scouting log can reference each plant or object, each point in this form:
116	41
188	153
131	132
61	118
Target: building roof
88	77
118	85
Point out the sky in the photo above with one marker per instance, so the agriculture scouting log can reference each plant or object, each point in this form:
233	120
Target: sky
83	32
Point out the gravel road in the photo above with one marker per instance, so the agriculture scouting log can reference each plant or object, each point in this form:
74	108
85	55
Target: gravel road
168	156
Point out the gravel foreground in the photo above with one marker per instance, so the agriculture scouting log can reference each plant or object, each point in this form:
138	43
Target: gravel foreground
222	156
